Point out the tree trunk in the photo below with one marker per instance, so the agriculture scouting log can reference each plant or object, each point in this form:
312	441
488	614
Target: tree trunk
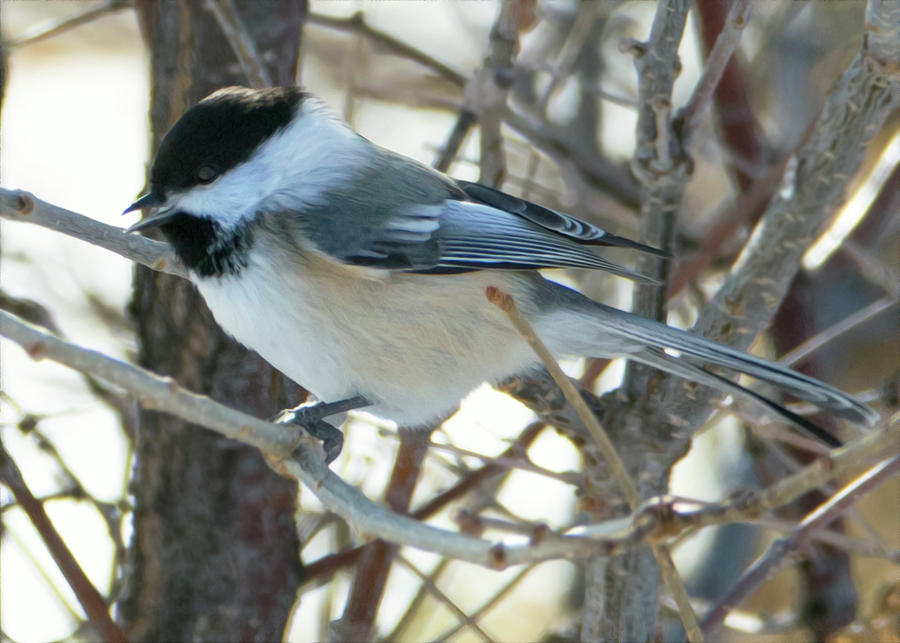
215	555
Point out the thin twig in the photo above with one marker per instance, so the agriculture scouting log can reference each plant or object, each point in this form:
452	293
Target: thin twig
616	466
358	619
91	600
357	24
428	584
321	570
688	119
742	137
489	604
417	601
834	331
56	27
505	302
517	462
241	43
781	551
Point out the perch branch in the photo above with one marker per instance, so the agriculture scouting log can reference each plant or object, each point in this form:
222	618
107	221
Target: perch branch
291	452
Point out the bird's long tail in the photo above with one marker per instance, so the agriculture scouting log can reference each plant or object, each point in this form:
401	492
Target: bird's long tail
694	373
609	332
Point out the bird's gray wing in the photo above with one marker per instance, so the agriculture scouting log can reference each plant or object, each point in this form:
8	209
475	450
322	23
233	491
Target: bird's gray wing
400	215
451	236
564	224
476	236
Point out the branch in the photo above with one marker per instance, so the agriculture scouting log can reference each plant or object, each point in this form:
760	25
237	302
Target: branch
91	600
53	28
659	163
865	95
782	551
742	137
666	518
241	43
614	461
152	391
688	118
834	331
488	89
617	468
18	205
291	452
324	568
367	517
357	24
366	593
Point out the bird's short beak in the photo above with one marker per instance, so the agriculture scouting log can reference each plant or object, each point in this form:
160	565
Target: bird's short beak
150	200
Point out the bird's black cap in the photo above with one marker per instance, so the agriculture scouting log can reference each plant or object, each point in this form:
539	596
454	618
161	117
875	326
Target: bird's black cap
219	133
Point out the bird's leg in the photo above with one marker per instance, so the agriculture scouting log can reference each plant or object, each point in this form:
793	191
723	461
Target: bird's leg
309	416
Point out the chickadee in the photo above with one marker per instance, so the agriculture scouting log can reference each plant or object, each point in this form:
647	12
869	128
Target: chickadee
361	274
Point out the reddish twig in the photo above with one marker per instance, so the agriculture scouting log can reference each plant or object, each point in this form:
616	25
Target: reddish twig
741	132
357	622
91	600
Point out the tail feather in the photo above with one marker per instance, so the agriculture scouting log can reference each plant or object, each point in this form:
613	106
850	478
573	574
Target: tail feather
623	334
662	361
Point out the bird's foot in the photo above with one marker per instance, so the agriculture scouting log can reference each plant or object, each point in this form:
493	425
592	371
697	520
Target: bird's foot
309	416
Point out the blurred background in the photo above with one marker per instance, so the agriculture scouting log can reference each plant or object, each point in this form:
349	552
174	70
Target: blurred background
76	132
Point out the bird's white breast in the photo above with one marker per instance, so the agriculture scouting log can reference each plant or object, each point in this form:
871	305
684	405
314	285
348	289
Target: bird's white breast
397	339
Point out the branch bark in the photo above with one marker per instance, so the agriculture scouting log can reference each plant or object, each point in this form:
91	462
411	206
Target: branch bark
622	593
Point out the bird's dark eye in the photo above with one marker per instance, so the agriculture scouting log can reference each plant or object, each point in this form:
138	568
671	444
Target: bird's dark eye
207	173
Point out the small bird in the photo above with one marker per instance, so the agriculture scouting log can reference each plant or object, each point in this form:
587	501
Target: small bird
361	274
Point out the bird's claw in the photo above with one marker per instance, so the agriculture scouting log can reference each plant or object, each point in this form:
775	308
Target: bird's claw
310	416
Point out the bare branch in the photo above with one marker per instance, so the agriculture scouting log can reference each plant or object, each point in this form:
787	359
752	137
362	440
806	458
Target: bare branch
613	460
357	24
430	587
90	599
18	205
291	452
412	610
48	30
782	551
489	604
689	117
659	162
367	590
241	43
662	169
505	302
486	92
834	331
152	391
665	518
866	94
